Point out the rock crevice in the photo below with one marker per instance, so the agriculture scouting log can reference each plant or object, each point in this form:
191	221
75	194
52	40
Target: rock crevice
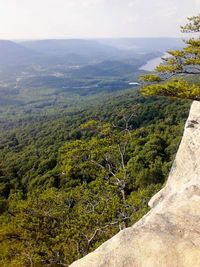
169	235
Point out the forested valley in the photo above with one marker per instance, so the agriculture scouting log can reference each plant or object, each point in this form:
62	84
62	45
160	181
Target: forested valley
78	163
72	179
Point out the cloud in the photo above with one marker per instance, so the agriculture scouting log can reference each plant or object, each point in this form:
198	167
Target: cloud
133	3
84	3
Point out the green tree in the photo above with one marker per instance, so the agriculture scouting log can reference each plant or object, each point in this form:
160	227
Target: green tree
168	80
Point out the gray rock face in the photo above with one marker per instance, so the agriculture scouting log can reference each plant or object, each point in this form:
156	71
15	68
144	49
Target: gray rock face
169	235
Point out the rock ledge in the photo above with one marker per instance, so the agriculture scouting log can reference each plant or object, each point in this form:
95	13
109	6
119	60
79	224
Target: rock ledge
169	235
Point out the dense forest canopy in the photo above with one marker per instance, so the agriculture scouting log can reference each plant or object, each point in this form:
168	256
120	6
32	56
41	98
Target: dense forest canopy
79	159
70	181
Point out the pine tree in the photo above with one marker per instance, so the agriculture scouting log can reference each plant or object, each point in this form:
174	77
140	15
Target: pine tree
177	76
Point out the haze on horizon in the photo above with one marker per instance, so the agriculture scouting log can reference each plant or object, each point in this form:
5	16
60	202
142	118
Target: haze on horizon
45	19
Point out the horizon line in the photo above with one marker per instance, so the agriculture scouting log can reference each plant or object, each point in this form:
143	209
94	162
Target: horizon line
88	38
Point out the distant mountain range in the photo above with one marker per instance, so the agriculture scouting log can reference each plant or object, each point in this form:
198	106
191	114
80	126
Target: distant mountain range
16	54
82	52
146	45
83	48
75	65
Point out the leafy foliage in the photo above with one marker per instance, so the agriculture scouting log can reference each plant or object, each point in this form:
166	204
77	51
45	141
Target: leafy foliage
73	178
179	63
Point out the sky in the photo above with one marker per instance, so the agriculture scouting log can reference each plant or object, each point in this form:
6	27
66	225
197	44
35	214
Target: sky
45	19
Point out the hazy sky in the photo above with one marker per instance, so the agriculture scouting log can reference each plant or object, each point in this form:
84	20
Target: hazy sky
37	19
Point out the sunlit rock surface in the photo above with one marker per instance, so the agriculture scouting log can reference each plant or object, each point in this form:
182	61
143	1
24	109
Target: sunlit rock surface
169	235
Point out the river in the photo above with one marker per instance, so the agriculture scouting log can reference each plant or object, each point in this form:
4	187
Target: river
151	64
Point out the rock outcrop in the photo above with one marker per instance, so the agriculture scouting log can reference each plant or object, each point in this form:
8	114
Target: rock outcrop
169	235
